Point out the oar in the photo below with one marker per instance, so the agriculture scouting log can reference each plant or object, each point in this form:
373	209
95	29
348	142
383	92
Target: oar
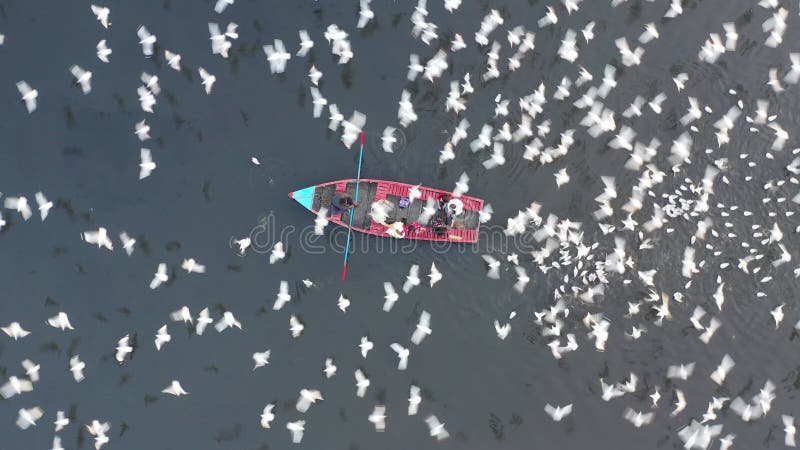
350	225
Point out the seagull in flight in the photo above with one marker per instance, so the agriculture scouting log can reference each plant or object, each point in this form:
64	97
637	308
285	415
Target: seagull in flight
422	329
29	95
103	51
175	389
147	40
160	276
102	14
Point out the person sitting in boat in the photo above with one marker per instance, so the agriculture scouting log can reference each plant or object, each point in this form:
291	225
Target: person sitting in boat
397	229
443	200
455	207
342	201
439	223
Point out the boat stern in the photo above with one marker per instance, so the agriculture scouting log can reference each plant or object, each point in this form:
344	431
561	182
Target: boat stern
304	196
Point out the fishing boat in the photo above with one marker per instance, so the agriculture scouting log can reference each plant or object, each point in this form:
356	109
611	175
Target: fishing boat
464	229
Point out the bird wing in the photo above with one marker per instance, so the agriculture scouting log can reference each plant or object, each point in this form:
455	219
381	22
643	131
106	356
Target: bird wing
397	348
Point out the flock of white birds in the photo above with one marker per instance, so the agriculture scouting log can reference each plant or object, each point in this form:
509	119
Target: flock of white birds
585	268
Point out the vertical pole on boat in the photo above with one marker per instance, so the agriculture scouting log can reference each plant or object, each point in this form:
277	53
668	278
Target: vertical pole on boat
350	224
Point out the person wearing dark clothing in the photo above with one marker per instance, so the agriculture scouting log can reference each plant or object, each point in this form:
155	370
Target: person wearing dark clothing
342	201
443	200
439	223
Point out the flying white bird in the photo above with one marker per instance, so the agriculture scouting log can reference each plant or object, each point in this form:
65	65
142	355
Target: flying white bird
378	417
277	56
462	185
305	43
175	389
192	266
422	329
295	326
562	177
365	14
366	345
314	74
683	371
283	296
296	429
307	398
219	43
390	296
343	303
650	33
721	372
29	95
15	386
405	112
43	204
203	321
330	368
550	18
173	60
321	221
680	403
436	428
76	366
435	276
123	349
789	429
267	415
147	165
103	51
31	369
27	417
777	315
502	330
160	276
610	391
318	101
60	321
146	99
412	279
82	77
15	331
277	253
388	139
559	412
181	315
102	14
162	337
243	244
260	359
414	400
638	418
362	383
142	130
675	9
208	79
402	354
220	6
228	320
61	421
147	40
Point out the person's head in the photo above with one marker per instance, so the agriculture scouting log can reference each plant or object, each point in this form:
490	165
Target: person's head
348	201
404	220
445	198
